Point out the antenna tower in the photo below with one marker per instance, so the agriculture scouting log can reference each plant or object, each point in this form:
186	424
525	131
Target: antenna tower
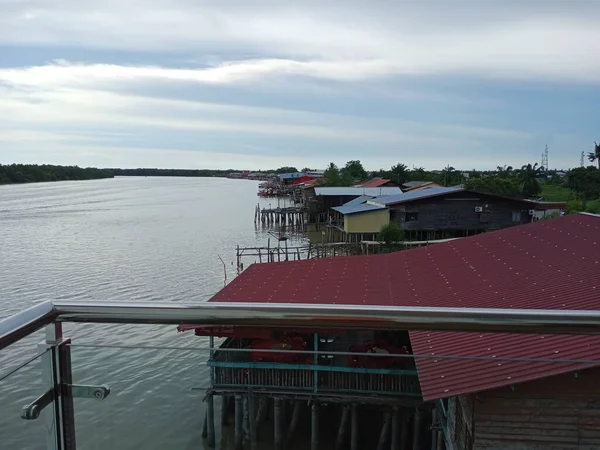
545	159
581	160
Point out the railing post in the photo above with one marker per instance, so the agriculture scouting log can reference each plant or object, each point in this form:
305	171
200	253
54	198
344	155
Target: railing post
56	375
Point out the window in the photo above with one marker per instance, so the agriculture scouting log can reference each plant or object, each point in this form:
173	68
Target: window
411	217
516	216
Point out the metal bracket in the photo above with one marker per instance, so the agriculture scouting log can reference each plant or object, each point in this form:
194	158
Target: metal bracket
33	410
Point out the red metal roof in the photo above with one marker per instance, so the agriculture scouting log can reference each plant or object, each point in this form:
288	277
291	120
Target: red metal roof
553	264
375	182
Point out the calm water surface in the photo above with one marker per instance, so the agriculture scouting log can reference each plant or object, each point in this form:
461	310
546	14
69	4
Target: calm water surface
127	239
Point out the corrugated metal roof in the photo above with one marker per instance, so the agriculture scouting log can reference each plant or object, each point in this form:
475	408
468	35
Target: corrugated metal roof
553	264
357	208
353	190
375	182
415	195
358	200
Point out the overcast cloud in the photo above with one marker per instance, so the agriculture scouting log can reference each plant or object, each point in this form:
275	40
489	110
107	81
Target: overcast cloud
251	84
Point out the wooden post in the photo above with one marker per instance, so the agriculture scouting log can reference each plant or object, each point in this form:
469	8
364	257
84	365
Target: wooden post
440	440
252	422
239	422
385	429
263	408
278	426
314	426
434	433
404	432
395	430
295	419
205	424
210	413
417	430
224	410
354	427
246	425
339	442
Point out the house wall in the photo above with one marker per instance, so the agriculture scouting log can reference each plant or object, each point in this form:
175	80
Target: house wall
457	212
368	222
557	413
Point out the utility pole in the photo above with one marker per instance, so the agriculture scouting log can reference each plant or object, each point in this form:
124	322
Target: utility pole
581	160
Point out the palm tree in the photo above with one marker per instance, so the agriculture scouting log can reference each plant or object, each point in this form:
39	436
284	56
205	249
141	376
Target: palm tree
595	155
504	172
528	176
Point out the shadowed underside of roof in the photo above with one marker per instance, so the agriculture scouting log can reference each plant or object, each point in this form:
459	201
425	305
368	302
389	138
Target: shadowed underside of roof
552	264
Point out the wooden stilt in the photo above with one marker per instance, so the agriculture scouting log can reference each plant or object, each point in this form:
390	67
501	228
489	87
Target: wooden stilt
224	410
354	427
314	427
278	425
434	431
440	440
395	429
342	431
252	422
404	432
417	430
295	419
239	422
385	431
261	414
205	424
210	422
246	425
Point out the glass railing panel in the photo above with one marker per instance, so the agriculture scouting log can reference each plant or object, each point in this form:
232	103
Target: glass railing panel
156	395
21	382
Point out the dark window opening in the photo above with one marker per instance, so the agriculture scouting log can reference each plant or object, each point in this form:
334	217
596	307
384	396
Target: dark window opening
411	217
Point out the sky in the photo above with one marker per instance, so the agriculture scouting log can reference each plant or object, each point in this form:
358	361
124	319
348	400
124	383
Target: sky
261	84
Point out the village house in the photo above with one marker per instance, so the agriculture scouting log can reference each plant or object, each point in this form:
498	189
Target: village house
456	390
441	213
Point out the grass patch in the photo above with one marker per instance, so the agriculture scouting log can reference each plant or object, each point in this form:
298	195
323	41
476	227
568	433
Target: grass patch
555	193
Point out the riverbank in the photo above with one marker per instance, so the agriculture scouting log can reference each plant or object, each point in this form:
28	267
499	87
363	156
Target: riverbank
33	173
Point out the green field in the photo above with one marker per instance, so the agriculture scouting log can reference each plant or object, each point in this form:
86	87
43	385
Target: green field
555	193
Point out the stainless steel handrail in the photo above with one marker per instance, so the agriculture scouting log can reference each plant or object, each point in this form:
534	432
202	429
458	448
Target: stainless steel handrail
301	315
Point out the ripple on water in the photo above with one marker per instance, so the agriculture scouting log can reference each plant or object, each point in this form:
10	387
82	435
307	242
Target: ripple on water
142	239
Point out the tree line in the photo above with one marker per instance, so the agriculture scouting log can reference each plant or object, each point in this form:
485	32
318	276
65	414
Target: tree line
33	173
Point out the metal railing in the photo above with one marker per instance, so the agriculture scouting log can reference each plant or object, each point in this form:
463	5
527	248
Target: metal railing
56	350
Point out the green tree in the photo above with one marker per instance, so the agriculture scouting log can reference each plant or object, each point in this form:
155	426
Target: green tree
286	169
354	171
504	171
528	177
508	187
585	181
390	234
595	155
332	176
399	173
451	177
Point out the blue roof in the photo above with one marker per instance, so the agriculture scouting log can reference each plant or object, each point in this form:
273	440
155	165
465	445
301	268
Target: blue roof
414	195
355	209
358	200
358	191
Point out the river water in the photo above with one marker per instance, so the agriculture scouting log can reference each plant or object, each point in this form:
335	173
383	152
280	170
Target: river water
127	239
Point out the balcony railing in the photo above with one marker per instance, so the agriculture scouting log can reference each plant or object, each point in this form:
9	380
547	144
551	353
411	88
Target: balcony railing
48	398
